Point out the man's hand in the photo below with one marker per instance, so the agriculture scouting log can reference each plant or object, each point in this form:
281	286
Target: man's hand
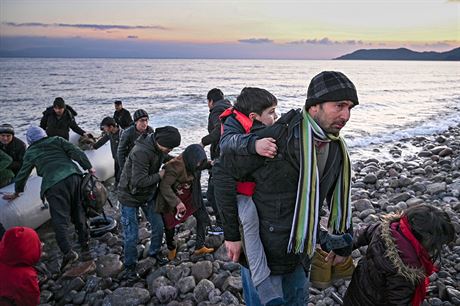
266	147
89	135
336	259
92	171
161	173
233	250
10	196
181	207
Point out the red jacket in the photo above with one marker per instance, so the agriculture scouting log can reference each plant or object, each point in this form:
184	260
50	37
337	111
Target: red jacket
20	249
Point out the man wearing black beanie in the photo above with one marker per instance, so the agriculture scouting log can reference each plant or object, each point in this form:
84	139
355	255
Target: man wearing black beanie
137	189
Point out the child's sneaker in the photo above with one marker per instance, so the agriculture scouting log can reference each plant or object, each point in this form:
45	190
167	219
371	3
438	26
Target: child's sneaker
203	250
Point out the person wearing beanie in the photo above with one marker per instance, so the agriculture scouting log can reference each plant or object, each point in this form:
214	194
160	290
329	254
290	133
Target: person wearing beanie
113	133
53	158
138	188
12	146
59	118
180	193
312	160
20	250
129	135
121	115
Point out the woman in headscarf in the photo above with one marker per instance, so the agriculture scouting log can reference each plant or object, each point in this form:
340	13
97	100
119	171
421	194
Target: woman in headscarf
180	197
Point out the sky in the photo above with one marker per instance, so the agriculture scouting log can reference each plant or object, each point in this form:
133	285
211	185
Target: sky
300	29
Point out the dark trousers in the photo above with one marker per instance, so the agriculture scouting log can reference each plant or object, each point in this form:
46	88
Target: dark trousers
64	199
117	171
202	220
212	200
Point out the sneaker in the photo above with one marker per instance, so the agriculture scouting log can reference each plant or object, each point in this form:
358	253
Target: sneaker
215	230
68	259
161	260
203	250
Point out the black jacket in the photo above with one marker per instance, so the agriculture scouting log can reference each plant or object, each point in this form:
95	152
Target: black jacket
123	118
276	190
16	149
214	126
139	178
114	141
55	126
127	139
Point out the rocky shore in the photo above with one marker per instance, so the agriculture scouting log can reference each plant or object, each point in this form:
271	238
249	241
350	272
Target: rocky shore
429	173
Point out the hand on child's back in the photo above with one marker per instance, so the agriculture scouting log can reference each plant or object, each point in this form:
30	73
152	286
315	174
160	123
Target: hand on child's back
266	147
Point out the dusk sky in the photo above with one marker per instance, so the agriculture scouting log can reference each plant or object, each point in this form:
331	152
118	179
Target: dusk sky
225	29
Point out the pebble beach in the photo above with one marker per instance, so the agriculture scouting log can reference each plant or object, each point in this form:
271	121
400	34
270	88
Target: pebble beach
429	173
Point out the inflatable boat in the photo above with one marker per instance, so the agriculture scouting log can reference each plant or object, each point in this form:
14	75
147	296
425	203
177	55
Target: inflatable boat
28	209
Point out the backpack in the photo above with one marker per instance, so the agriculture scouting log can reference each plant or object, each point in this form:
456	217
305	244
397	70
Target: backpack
94	195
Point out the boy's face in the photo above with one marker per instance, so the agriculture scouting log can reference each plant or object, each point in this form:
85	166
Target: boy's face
268	116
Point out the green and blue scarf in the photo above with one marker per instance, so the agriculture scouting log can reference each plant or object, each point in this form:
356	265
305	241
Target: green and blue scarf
307	209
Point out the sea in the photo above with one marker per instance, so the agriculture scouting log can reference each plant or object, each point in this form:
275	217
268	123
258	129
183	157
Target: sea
398	99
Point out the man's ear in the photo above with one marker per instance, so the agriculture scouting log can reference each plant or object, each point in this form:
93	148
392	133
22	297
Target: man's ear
253	116
312	110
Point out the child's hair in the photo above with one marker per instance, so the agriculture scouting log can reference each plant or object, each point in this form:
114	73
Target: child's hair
215	94
431	226
254	100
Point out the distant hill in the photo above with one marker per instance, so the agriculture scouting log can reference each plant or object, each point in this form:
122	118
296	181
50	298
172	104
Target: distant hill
402	54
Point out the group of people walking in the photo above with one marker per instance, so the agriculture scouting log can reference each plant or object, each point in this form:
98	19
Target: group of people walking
279	187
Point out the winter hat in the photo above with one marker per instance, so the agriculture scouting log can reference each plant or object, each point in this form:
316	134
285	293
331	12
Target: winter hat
59	102
34	133
20	246
107	121
168	136
139	114
330	86
6	129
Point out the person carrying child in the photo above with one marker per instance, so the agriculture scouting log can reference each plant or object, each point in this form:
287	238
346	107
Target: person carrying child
400	257
180	197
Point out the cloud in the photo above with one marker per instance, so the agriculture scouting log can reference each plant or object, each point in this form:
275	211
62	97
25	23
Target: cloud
85	26
326	41
132	37
256	41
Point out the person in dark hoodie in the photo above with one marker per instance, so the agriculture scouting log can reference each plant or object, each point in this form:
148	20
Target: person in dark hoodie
400	257
121	115
20	250
137	189
58	119
129	136
53	158
180	196
217	105
12	146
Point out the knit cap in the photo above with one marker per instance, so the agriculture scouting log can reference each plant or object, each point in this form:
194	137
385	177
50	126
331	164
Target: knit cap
59	102
330	86
139	114
168	137
34	133
6	129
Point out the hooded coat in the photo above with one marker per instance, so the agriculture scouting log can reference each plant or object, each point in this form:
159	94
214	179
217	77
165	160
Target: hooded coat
390	271
139	178
20	250
55	126
214	127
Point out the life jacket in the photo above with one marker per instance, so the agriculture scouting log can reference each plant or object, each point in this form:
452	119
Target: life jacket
244	188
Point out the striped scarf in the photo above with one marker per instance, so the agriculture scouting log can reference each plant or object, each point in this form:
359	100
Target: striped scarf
307	209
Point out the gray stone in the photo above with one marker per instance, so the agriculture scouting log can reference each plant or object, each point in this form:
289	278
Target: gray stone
176	273
201	291
229	299
214	296
233	284
362	204
160	281
370	178
437	150
414	201
186	284
453	293
143	233
45	296
366	212
446	152
425	154
405	181
127	296
202	270
418	187
166	294
399	197
221	253
220	278
108	265
79	298
435	188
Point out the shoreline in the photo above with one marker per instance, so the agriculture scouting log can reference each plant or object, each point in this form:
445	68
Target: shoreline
403	173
